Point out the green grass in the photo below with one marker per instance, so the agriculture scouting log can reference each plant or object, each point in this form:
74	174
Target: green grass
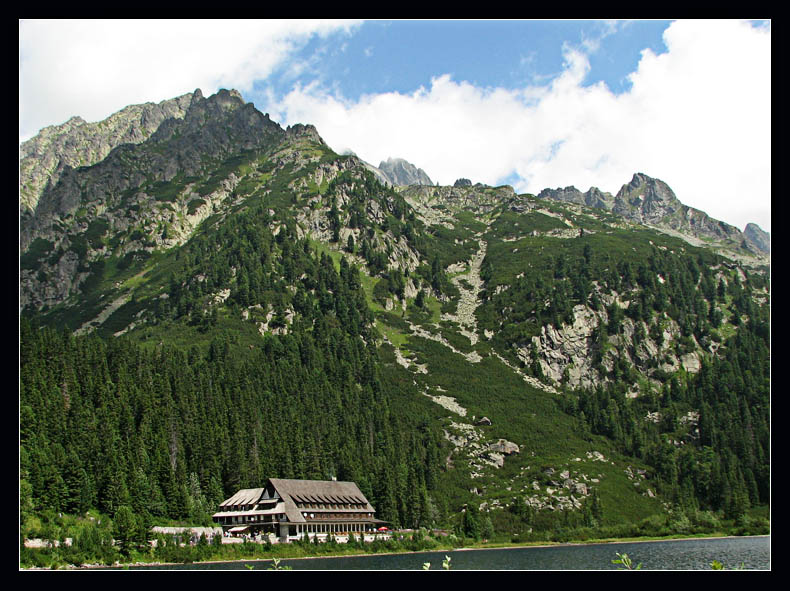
429	315
242	336
398	338
238	164
369	286
527	416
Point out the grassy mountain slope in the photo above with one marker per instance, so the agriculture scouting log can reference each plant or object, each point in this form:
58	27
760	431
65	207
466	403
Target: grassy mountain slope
293	317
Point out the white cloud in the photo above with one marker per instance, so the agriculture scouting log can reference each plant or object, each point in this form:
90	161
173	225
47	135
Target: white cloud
697	117
93	68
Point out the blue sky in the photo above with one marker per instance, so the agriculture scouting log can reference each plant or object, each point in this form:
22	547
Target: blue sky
534	104
401	56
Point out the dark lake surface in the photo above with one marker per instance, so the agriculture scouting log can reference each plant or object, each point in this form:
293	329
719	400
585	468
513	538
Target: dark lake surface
750	553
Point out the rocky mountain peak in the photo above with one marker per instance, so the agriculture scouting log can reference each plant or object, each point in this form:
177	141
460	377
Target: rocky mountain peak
228	98
647	193
650	201
597	198
44	158
300	130
594	197
401	172
569	194
758	237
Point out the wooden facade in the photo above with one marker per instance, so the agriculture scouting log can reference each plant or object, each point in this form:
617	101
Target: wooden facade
291	509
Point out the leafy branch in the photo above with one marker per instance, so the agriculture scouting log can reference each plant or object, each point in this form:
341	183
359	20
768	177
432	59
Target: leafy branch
626	561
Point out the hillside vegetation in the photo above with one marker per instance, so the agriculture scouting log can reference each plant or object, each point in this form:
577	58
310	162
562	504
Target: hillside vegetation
228	301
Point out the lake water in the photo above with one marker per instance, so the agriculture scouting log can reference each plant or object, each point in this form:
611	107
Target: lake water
754	553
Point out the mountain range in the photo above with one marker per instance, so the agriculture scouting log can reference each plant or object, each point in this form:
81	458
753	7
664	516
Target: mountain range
225	283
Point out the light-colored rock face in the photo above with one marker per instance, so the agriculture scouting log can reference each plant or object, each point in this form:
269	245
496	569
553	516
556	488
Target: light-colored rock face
691	362
399	172
503	446
469	445
464	316
646	200
569	348
75	143
758	237
592	198
433	203
652	202
123	161
567	353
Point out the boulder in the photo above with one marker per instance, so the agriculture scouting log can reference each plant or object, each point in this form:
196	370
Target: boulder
580	488
505	447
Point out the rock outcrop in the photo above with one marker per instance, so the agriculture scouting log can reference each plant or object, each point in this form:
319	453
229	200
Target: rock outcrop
569	353
592	198
435	205
399	172
75	143
758	237
143	195
567	350
652	202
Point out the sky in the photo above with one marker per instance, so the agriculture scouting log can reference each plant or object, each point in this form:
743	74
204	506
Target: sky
531	103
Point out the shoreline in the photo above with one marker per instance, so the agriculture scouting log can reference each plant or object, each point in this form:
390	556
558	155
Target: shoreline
435	551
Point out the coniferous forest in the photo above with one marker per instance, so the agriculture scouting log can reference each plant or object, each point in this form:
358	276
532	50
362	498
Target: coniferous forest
309	322
172	432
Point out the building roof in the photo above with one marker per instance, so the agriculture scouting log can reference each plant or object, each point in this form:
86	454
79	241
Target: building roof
317	491
278	508
246	496
288	492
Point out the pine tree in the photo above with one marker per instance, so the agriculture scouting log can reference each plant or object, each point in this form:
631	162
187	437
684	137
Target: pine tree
126	529
471	522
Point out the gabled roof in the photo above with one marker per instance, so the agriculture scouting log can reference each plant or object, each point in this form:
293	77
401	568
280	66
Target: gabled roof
246	496
312	491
